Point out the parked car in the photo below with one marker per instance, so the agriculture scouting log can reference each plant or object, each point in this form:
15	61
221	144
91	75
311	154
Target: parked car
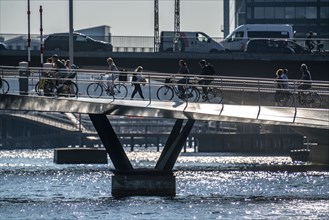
3	46
267	46
81	42
295	46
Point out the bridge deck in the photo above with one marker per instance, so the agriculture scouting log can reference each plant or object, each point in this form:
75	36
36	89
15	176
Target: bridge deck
304	117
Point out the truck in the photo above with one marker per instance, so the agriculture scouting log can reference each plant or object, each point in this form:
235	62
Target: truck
236	41
188	41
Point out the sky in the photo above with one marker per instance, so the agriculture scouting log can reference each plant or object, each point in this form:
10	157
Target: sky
125	17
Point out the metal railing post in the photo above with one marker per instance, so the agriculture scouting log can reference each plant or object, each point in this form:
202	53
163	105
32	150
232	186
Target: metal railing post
295	102
150	95
259	105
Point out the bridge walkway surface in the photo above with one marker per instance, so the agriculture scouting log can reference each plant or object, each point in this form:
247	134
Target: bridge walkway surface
246	100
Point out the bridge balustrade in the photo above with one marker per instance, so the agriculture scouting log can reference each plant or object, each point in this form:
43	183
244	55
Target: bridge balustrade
233	90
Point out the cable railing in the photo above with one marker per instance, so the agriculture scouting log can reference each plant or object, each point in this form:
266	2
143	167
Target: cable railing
157	87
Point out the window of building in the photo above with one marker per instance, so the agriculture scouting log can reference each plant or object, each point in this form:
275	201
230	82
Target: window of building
311	12
269	12
289	12
324	12
279	12
248	13
259	12
300	12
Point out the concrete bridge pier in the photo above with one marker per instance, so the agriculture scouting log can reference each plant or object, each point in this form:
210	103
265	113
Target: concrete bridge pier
128	181
318	153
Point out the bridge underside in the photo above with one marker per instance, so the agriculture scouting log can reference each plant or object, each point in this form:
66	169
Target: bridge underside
300	117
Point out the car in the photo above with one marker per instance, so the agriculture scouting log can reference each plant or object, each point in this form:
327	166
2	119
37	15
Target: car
3	46
81	42
299	49
267	46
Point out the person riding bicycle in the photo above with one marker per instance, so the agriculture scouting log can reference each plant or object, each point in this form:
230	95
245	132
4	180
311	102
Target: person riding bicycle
309	42
113	74
207	71
282	84
59	71
58	66
306	80
183	70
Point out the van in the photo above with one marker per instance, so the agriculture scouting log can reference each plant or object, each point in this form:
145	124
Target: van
237	40
81	42
195	42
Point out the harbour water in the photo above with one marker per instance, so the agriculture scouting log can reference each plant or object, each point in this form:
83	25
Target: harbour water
208	186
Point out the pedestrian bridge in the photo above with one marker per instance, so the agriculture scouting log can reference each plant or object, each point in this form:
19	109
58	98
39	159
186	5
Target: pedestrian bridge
244	100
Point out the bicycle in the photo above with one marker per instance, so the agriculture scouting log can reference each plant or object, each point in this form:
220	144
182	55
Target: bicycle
96	89
214	95
4	86
167	92
307	99
56	87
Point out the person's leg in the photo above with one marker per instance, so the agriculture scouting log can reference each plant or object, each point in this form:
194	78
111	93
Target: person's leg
134	92
110	83
180	87
207	82
140	92
202	83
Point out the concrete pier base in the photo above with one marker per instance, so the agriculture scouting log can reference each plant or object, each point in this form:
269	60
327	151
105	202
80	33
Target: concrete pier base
143	183
80	156
319	154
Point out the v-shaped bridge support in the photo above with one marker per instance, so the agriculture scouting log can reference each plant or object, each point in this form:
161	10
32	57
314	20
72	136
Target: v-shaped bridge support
128	181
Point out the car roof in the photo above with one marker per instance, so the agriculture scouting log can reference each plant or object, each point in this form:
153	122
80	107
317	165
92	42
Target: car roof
4	45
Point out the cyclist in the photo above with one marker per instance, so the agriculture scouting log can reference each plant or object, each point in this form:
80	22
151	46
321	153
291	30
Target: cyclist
280	84
183	70
59	71
309	42
58	65
114	74
207	71
306	80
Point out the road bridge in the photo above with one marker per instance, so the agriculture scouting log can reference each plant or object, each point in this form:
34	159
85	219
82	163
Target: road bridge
255	108
227	64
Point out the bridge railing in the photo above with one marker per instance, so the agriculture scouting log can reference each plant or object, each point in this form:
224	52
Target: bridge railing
233	90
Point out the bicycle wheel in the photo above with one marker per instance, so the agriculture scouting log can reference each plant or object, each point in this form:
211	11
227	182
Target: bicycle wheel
120	91
312	100
69	89
165	93
215	96
94	90
4	87
191	94
286	99
45	88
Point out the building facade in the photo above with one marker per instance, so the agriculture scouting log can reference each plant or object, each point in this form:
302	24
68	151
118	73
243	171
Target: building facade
303	15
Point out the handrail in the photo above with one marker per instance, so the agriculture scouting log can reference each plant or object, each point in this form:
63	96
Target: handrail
260	86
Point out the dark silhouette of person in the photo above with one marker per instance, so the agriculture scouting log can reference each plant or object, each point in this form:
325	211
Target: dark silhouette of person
136	81
184	71
309	42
